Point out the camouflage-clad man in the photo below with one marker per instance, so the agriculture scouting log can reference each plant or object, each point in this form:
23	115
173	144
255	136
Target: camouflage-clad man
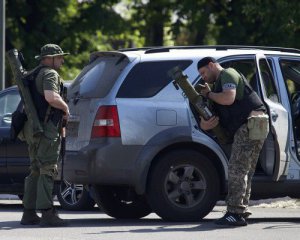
242	113
44	150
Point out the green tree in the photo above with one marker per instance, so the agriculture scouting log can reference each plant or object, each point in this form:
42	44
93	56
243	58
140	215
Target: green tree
81	27
151	18
78	27
260	22
194	19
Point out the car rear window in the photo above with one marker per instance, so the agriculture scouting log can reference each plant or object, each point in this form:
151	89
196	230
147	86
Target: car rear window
98	77
146	79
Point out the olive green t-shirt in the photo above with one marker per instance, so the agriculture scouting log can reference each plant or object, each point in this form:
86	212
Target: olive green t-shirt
48	79
229	78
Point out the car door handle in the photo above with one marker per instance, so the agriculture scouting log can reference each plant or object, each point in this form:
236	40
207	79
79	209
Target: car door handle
274	115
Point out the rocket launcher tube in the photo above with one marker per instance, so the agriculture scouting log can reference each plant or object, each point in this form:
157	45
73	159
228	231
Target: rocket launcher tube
19	73
197	100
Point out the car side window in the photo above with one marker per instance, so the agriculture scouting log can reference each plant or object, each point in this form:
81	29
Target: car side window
99	76
291	74
146	79
246	67
268	81
8	104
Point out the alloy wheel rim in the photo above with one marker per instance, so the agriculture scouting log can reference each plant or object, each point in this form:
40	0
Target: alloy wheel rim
185	186
71	193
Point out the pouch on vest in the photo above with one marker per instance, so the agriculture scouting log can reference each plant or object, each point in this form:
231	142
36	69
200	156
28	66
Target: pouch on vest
258	127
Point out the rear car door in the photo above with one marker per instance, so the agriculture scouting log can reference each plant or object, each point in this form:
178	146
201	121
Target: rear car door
12	154
3	167
279	119
148	102
17	160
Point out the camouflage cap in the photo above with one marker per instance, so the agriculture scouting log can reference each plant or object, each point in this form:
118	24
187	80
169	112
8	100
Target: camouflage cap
51	50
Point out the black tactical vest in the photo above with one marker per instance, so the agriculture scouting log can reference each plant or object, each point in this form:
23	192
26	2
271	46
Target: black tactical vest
40	103
236	114
39	100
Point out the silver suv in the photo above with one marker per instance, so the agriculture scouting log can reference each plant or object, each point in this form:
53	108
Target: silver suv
134	138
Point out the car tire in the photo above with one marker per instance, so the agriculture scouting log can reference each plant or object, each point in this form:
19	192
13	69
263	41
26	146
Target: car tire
74	197
121	203
183	186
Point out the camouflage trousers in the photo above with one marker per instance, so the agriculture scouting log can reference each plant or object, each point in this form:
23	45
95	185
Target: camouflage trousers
44	153
244	155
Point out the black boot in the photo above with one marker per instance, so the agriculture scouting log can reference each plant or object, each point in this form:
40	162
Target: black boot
50	218
30	217
232	219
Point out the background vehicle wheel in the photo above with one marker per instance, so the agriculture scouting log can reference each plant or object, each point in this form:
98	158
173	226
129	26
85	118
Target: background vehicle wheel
74	197
183	186
120	202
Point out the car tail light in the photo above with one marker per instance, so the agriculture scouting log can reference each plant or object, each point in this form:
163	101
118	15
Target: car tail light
106	123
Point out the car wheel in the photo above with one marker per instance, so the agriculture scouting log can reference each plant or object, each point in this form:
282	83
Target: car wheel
121	202
74	197
183	186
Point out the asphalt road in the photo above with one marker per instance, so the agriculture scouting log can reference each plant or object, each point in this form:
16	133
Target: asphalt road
266	223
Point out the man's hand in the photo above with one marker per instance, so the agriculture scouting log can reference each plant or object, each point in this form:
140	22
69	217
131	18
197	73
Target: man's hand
205	89
66	115
209	124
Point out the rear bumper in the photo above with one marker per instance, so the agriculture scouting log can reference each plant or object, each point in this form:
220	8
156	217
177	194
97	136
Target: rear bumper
106	162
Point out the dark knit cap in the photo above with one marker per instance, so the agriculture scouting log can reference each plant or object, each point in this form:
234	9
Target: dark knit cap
205	61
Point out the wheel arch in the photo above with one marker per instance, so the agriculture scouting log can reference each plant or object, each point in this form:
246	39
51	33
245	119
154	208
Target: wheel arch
203	149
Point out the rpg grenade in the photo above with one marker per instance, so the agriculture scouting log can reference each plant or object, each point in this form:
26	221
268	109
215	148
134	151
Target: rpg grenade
197	100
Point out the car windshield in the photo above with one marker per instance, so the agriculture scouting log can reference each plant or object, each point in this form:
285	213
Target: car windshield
98	77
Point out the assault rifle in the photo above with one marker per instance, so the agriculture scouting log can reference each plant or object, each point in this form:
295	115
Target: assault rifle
197	101
63	133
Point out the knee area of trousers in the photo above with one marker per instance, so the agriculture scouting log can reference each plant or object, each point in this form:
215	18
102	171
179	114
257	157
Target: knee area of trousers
35	173
49	170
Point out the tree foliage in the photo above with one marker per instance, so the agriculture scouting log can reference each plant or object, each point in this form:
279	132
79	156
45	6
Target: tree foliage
260	22
84	26
78	27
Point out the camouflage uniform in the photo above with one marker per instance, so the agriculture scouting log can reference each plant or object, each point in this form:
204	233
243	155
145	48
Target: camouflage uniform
244	153
242	163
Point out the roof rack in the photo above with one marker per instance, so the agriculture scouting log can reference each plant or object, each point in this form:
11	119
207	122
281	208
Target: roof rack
134	49
149	50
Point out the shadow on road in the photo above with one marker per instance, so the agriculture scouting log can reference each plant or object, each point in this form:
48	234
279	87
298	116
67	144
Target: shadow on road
154	225
146	225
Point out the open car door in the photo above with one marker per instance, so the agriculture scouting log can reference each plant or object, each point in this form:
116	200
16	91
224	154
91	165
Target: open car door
279	122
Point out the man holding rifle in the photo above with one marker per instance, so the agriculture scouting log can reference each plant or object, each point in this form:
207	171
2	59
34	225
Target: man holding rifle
46	90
